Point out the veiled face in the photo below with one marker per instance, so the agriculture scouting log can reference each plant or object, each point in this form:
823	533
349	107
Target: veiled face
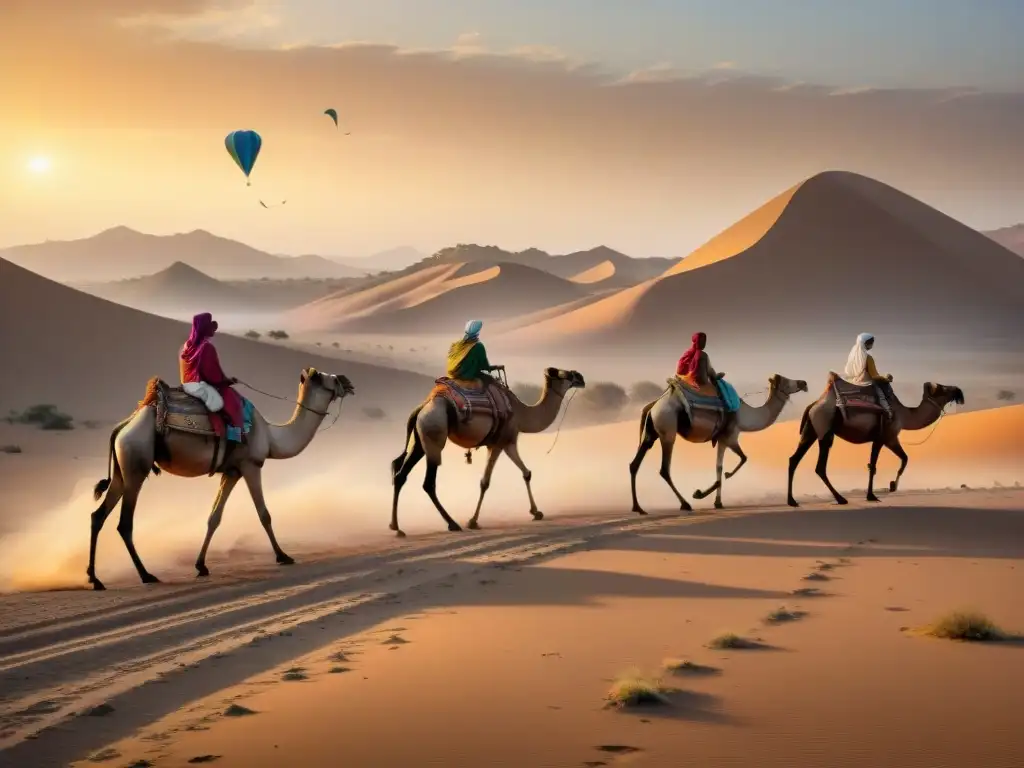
702	340
869	343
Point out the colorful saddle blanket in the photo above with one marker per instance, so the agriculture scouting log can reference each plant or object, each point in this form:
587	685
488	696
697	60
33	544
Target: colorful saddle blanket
179	411
854	396
472	398
693	396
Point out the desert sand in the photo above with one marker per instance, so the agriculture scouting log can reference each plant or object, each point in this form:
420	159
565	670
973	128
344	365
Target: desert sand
498	648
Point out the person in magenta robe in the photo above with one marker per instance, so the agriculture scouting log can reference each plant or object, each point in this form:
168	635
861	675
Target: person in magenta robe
202	375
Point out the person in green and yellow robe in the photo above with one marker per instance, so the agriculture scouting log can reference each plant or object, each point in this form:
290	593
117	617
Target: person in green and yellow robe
467	357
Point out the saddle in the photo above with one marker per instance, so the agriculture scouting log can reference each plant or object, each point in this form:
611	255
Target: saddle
472	398
854	397
178	411
705	399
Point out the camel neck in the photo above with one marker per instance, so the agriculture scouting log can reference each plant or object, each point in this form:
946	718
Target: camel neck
542	414
919	416
291	439
754	419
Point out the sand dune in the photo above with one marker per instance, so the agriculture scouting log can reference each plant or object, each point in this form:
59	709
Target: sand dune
810	269
180	289
92	358
597	274
438	299
1009	237
121	252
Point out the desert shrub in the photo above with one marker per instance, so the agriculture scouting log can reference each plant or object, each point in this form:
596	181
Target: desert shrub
253	334
335	344
1006	395
277	334
633	690
319	343
603	398
528	393
373	412
10	449
644	392
44	416
965	625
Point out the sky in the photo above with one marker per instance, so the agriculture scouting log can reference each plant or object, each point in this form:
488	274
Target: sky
645	125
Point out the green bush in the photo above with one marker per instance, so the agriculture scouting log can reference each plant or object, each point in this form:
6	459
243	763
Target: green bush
44	416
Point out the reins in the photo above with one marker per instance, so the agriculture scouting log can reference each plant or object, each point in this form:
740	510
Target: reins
558	430
323	414
935	426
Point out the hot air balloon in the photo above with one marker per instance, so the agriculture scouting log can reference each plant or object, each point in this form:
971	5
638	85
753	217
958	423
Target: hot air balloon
244	148
333	114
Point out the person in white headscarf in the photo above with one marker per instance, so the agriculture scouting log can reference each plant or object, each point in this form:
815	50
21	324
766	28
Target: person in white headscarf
861	370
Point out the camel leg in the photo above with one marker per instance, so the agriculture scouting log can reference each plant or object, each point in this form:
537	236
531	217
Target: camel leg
824	446
99	517
400	469
430	486
876	448
648	436
493	452
227	484
894	445
512	451
699	494
719	461
807	438
667	444
252	474
126	526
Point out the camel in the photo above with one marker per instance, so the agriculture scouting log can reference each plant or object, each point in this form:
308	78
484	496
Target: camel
666	417
138	447
436	421
864	422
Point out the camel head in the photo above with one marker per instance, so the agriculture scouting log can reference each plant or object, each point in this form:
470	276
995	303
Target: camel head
779	383
562	381
323	388
943	394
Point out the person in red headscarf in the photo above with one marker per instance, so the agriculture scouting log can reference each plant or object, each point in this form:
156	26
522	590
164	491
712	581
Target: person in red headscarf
695	365
202	376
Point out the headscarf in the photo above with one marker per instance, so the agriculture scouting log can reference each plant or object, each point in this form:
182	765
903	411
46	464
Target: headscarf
857	362
473	330
691	358
203	327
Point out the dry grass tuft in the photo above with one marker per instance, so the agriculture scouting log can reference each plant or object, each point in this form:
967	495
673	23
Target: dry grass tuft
783	614
730	641
968	626
634	690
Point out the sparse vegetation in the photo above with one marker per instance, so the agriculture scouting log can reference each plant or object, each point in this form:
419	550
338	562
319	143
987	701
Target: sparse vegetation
643	392
375	413
44	416
687	667
730	641
603	398
237	710
633	690
335	344
783	614
1006	396
295	674
10	449
253	335
970	626
278	334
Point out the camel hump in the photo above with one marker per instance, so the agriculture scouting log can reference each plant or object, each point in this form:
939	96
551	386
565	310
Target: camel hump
473	398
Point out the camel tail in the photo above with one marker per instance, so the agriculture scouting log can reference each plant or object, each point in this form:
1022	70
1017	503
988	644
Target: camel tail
805	418
410	430
101	487
645	417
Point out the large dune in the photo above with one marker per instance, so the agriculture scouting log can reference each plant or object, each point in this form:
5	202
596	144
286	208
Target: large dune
178	289
438	298
92	357
1009	237
825	260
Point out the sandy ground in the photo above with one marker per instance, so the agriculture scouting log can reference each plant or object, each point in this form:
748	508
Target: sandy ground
497	649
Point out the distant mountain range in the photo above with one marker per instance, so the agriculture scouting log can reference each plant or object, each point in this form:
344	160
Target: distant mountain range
1009	237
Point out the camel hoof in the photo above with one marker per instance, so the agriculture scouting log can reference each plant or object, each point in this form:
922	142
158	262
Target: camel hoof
686	508
872	497
841	501
473	525
454	527
792	502
399	533
537	516
729	474
149	578
283	559
892	486
698	494
202	571
719	505
97	586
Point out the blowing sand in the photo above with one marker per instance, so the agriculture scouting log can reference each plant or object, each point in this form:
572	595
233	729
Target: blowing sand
498	648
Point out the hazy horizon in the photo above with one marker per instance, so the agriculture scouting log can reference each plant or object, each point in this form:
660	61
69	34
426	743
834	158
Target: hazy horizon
521	125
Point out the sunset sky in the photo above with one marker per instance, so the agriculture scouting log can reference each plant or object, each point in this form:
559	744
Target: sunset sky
647	125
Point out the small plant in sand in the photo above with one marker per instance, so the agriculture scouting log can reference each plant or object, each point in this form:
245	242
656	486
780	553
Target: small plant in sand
253	334
783	614
807	592
686	667
815	576
10	449
969	626
634	690
237	710
730	641
44	416
278	334
373	412
295	674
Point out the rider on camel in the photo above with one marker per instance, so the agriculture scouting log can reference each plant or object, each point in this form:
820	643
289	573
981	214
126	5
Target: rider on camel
203	378
467	357
861	371
694	367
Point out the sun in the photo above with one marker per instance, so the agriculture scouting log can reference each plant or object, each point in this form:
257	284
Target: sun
39	164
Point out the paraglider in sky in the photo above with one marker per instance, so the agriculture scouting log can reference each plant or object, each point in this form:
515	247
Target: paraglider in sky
333	114
244	148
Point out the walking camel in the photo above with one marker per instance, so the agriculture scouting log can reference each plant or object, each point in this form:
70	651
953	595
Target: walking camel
171	431
437	421
668	416
853	414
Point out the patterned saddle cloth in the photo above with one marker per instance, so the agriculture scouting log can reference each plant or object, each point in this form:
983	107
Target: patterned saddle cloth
471	398
854	396
705	398
179	411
